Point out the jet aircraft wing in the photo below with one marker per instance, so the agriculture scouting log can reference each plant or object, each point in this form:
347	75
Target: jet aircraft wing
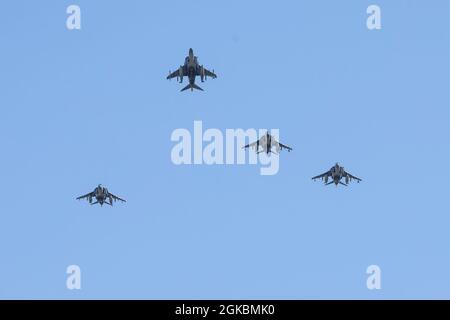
321	176
209	73
282	146
116	197
175	74
90	194
352	177
251	145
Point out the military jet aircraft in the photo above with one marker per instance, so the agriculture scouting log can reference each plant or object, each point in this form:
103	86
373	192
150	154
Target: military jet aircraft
191	69
267	142
101	195
336	173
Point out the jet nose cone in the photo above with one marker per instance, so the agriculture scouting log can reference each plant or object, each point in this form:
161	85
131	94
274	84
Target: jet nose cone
191	50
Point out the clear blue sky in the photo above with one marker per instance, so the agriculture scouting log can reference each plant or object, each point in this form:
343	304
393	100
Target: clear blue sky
84	107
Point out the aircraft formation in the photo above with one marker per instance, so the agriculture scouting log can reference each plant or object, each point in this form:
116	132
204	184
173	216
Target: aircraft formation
267	143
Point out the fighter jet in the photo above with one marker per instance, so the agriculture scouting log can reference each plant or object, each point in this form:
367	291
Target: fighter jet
336	173
267	142
101	195
191	69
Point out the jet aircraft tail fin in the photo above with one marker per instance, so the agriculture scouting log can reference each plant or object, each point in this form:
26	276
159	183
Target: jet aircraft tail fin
192	87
